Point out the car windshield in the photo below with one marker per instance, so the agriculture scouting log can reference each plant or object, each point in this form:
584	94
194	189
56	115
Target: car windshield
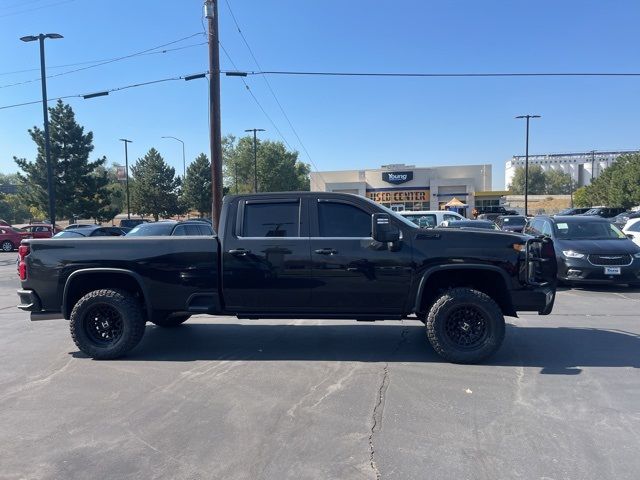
593	211
395	215
151	229
69	234
514	220
423	220
576	230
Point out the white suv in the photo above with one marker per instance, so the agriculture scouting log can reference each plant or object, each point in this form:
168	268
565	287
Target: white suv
431	218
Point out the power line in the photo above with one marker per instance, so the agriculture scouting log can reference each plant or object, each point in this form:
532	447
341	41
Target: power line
112	60
106	92
88	62
255	99
273	93
465	74
36	8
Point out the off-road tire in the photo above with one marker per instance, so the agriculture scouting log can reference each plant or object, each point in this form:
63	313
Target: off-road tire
173	320
8	246
460	308
118	303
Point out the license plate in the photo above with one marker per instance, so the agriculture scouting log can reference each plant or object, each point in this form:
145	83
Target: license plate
612	270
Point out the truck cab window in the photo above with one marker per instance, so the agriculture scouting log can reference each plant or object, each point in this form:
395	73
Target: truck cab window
271	219
343	220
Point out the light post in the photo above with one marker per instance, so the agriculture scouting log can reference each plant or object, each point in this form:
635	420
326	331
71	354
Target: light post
593	162
255	156
184	162
126	163
47	144
526	165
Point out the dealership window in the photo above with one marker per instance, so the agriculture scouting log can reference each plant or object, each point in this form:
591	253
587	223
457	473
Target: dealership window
343	220
271	219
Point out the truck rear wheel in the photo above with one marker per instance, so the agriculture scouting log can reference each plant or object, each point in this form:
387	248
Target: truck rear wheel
465	325
107	323
171	320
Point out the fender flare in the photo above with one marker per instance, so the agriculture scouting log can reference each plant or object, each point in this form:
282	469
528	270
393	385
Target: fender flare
462	266
120	271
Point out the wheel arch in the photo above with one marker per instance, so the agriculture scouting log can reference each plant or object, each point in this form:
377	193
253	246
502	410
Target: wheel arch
85	280
488	279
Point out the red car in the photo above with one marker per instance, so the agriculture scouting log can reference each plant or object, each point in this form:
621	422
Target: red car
39	230
10	238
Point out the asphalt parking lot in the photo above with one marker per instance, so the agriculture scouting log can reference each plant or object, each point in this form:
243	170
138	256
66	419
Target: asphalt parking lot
224	398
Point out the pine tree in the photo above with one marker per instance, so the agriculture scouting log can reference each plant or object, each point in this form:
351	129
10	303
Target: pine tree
80	187
197	185
155	187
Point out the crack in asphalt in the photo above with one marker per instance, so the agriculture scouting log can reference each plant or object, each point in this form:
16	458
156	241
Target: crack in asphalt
378	409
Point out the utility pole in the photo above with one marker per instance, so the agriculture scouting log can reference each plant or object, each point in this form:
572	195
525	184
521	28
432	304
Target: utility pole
47	143
526	165
126	163
211	13
593	162
255	156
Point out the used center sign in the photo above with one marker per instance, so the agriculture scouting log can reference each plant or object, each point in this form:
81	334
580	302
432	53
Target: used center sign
399	196
397	177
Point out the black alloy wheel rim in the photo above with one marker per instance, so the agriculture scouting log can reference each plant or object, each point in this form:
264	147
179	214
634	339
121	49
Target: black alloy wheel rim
103	325
466	327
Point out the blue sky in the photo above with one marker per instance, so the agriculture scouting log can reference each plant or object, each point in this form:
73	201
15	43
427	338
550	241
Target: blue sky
344	122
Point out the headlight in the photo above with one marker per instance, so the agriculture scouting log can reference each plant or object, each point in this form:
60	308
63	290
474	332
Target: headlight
572	254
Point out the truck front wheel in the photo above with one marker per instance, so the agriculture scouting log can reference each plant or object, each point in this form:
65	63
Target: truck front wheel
465	325
107	323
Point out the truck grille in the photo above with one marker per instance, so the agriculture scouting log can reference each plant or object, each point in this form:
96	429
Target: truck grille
610	260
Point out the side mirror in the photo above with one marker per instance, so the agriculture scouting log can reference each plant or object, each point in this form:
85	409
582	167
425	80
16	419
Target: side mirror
383	229
631	236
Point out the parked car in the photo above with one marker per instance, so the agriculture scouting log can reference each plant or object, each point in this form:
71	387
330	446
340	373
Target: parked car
430	218
573	211
621	219
91	231
632	230
589	249
4	223
464	224
131	222
10	238
39	230
293	255
511	223
73	226
495	209
604	212
171	227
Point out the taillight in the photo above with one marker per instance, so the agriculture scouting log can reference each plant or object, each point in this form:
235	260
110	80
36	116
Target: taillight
23	251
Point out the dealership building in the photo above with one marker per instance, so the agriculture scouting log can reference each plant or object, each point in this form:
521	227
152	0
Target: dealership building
407	187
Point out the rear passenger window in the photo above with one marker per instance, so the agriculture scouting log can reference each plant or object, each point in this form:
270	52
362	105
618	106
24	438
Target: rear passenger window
273	219
205	230
192	230
450	218
180	230
343	220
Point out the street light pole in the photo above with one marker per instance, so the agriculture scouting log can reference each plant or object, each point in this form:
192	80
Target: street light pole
45	113
526	165
593	161
255	155
126	163
184	162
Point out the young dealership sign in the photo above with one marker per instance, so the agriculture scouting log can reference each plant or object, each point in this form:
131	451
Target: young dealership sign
397	177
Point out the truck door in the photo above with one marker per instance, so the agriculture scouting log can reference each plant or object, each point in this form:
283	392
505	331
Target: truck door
352	273
266	259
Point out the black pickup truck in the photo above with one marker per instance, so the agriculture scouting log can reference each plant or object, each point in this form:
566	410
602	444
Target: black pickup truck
293	255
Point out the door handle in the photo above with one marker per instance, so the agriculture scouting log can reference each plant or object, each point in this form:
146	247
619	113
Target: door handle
240	252
326	251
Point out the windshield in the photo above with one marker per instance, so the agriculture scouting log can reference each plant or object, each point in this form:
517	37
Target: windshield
593	211
151	229
395	215
587	231
68	234
423	220
514	220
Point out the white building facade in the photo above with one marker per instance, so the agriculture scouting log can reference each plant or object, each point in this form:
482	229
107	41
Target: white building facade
582	166
407	187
